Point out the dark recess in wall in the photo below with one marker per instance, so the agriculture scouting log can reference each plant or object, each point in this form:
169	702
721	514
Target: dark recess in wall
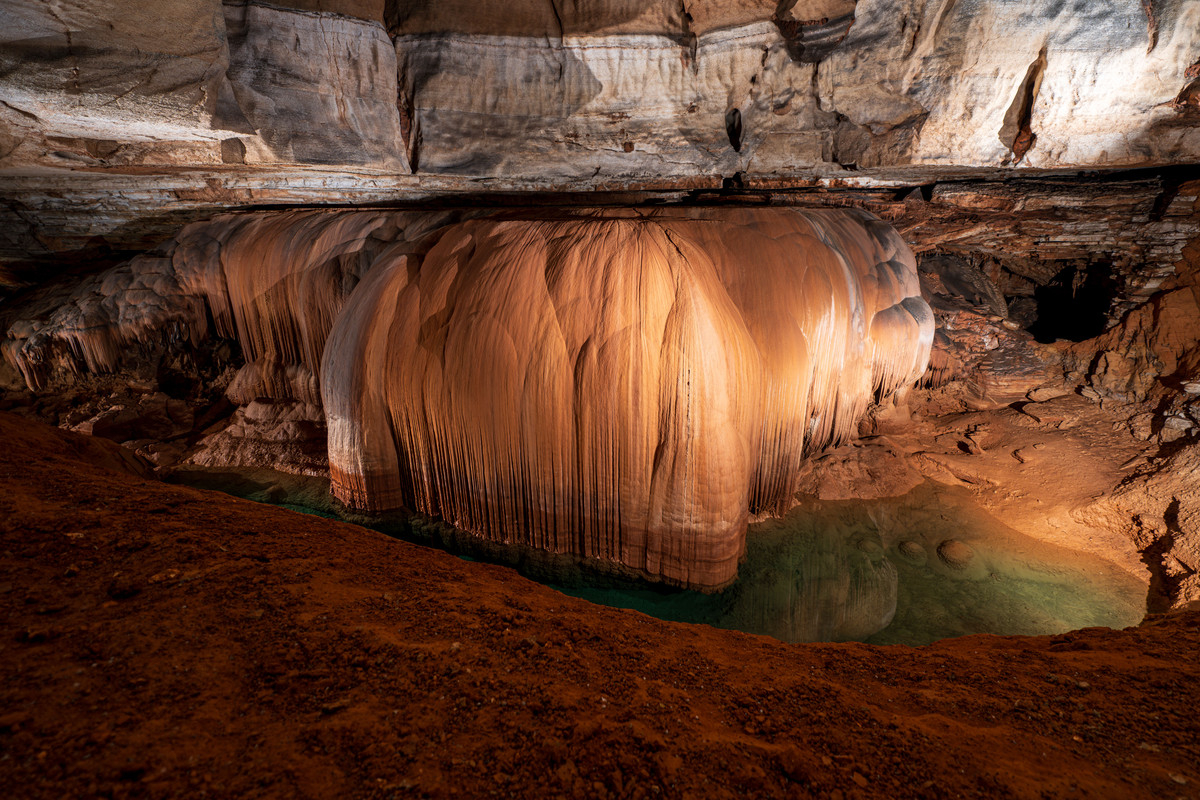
733	128
1075	305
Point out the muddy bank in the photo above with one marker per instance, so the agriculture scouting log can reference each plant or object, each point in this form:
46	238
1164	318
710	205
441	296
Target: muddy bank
164	641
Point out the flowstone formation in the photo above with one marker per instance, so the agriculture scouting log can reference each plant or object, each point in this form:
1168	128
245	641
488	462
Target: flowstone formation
621	385
627	385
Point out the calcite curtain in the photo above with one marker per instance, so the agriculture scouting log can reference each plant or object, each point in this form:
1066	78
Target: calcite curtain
619	384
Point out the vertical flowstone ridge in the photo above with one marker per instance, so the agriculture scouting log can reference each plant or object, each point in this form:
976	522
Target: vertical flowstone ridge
275	282
617	384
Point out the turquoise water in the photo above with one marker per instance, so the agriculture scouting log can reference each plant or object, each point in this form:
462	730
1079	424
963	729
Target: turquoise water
907	570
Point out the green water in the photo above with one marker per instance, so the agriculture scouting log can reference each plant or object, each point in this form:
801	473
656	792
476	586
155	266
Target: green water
872	571
908	570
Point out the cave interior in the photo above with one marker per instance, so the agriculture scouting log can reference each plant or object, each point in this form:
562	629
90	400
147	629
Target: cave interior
825	321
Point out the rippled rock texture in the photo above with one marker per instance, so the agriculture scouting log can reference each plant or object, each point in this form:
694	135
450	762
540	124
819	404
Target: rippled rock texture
122	121
619	384
623	385
614	90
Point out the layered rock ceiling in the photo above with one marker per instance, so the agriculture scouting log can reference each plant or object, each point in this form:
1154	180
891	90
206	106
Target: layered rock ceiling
610	89
137	110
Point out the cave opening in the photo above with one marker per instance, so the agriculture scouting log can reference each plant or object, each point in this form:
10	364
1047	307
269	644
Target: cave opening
1076	304
733	128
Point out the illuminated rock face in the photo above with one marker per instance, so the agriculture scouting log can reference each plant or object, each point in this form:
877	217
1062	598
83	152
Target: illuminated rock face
620	385
616	384
550	93
273	282
124	118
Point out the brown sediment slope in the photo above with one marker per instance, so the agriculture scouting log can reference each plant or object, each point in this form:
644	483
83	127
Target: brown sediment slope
162	641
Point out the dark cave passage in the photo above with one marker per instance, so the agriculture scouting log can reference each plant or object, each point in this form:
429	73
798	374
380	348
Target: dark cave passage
1075	305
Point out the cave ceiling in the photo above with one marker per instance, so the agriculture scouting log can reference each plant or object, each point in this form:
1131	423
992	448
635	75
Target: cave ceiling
121	120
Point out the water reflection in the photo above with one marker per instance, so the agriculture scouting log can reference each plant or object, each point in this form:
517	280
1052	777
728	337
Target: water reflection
908	570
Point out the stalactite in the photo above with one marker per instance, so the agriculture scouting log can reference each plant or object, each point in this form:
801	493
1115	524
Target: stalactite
621	385
274	282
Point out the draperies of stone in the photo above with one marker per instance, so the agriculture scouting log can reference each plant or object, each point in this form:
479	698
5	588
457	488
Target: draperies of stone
620	385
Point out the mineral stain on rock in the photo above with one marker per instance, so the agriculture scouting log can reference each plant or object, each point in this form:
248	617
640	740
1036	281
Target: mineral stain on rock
1017	131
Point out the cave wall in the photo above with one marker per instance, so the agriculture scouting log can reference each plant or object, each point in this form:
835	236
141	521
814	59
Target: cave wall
120	122
1044	83
548	92
272	282
182	84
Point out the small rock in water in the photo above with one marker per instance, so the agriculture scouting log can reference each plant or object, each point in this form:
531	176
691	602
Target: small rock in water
955	554
913	551
868	545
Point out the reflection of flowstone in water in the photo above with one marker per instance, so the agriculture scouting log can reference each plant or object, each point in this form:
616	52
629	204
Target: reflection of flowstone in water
961	571
907	570
823	585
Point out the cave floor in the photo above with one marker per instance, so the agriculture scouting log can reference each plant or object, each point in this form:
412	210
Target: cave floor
1043	468
166	641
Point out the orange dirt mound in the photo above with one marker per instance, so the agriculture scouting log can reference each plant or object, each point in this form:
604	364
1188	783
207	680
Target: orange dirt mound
163	641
